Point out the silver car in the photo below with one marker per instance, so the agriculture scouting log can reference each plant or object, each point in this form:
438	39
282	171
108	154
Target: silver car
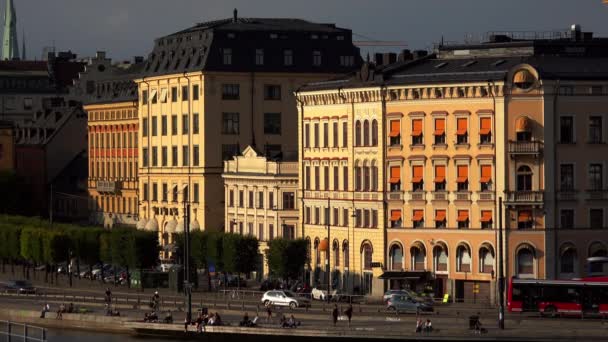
284	298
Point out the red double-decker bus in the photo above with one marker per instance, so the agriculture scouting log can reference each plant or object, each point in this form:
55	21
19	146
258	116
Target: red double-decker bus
588	296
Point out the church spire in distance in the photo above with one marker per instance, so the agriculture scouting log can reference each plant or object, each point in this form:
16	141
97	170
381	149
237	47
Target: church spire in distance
10	46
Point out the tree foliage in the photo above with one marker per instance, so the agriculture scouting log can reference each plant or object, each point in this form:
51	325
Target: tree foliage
286	258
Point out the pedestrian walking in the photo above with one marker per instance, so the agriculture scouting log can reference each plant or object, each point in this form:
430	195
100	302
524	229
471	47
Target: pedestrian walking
108	296
349	313
334	314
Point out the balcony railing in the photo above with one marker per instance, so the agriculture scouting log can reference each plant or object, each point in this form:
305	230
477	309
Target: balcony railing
395	196
463	195
525	147
417	195
597	195
524	197
440	195
486	195
567	195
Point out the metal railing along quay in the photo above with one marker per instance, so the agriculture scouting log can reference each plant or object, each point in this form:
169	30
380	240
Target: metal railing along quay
22	332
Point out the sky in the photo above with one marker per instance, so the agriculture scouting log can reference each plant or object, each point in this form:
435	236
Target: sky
126	28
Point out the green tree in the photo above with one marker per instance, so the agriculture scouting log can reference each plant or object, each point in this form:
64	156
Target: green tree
286	258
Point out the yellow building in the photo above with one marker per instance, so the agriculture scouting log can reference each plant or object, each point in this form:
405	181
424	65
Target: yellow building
110	98
7	147
261	199
458	130
213	88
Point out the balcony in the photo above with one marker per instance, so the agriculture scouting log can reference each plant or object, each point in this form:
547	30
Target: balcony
597	195
417	195
395	196
486	195
440	195
524	198
463	195
531	148
567	195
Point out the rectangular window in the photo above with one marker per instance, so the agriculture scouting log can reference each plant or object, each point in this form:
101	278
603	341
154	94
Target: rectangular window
144	127
271	200
230	91
165	192
261	232
288	57
144	152
270	231
316	58
195	92
525	220
418	219
325	134
230	123
344	134
336	179
272	123
566	130
486	219
486	178
184	93
345	178
347	61
153	96
463	177
229	151
395	178
195	125
185	124
241	199
317	178
272	92
306	135
307	178
417	138
326	178
163	156
173	124
260	200
485	130
596	218
154	127
463	219
174	194
596	181
173	155
335	135
439	131
231	198
417	178
289	201
439	177
174	94
144	97
259	56
195	193
566	218
195	155
440	219
316	133
154	192
227	56
595	130
566	177
344	217
250	203
462	135
163	125
145	186
185	159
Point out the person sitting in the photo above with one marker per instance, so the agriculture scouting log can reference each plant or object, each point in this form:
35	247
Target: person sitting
153	317
245	322
291	323
428	326
283	321
211	320
419	325
168	318
218	319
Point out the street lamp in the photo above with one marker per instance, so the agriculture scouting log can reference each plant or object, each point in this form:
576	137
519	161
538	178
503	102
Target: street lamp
501	277
328	259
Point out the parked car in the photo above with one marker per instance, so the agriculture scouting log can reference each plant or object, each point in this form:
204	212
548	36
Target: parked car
168	267
284	298
320	293
410	293
405	303
20	286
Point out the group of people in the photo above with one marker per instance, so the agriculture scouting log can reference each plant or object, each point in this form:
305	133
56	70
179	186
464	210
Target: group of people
289	322
336	313
246	322
204	319
422	326
60	311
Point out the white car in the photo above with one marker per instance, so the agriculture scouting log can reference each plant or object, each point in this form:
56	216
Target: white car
284	298
321	293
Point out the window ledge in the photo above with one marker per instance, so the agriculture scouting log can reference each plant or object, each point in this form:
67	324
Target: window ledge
417	147
462	146
485	145
440	146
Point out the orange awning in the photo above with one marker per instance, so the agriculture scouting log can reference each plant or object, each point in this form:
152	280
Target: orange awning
486	126
395	128
463	215
416	127
417	174
524	216
439	173
463	173
323	245
440	215
522	124
395	174
439	127
395	215
461	126
418	216
486	173
486	216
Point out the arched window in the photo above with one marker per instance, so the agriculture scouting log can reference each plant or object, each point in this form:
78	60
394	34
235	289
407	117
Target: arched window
440	257
567	259
336	251
525	261
524	178
358	133
358	176
366	133
375	133
396	257
346	253
597	249
486	259
366	176
366	256
418	253
374	176
463	258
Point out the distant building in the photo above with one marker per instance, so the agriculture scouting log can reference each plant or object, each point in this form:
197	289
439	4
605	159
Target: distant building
261	199
10	44
420	151
110	101
211	89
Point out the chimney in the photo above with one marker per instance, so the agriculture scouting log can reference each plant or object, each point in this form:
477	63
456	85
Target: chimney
235	15
378	58
575	32
419	54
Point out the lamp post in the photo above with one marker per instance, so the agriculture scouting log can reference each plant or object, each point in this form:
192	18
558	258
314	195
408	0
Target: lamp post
501	277
187	284
328	259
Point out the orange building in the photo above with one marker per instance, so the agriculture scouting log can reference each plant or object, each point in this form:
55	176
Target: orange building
468	126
